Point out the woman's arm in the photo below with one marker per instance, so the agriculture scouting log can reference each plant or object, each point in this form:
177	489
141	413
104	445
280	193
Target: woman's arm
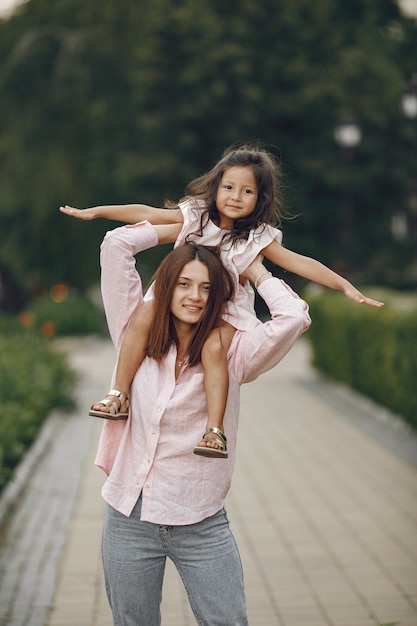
314	270
259	350
128	213
121	285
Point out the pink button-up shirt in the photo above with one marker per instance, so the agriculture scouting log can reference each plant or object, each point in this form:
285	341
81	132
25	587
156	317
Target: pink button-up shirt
152	453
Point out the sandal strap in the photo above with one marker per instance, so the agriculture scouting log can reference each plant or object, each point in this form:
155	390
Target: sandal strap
218	434
114	408
117	393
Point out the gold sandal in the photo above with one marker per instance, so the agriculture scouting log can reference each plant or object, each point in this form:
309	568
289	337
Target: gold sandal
114	406
216	453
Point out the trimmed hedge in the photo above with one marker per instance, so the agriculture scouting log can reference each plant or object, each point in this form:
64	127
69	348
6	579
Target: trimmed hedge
34	379
64	312
372	350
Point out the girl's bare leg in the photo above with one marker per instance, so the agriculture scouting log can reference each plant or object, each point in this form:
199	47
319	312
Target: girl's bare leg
216	379
132	352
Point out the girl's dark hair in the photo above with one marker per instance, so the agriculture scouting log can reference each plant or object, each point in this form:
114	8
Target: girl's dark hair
267	176
162	333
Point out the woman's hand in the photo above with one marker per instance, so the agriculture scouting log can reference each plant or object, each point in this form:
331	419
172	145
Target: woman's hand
81	214
256	272
168	233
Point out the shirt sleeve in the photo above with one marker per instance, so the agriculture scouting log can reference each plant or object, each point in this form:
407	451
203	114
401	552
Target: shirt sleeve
246	251
121	285
259	350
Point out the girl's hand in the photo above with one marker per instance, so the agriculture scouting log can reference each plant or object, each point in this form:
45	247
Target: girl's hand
81	214
353	294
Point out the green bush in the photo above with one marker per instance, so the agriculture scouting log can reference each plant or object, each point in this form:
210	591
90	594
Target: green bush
34	379
67	314
372	350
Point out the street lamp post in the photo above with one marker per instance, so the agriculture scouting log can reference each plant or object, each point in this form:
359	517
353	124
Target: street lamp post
348	135
409	109
409	99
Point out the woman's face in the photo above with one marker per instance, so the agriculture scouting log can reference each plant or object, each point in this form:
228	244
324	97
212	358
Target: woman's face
191	293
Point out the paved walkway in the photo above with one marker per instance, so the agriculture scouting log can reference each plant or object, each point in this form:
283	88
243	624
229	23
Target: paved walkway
323	506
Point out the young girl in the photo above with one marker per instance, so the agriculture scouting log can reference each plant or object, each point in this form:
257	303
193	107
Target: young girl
232	206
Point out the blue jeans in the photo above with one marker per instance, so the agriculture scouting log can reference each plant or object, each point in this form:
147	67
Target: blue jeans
205	555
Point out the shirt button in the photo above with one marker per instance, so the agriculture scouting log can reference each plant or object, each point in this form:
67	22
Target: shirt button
153	434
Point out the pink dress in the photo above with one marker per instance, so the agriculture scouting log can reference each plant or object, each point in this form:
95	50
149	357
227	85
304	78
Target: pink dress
236	257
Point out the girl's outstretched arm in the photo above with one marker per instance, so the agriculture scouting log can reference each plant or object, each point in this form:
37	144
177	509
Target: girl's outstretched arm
127	213
314	270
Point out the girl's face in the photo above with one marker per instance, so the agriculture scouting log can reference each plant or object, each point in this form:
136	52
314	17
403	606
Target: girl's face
236	195
191	293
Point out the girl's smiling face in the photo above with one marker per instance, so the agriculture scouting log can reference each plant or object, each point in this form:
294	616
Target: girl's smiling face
236	195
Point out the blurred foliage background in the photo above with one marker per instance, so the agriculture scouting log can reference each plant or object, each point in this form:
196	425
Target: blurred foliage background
126	101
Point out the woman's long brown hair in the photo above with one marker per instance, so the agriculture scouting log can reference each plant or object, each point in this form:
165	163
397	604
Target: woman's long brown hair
163	333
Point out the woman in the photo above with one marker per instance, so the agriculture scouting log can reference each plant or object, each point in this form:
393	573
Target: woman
162	500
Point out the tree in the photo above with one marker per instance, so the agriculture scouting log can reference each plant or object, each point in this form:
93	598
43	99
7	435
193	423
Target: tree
117	102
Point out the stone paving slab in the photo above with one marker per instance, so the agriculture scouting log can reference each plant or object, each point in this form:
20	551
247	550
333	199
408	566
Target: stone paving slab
324	513
32	539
